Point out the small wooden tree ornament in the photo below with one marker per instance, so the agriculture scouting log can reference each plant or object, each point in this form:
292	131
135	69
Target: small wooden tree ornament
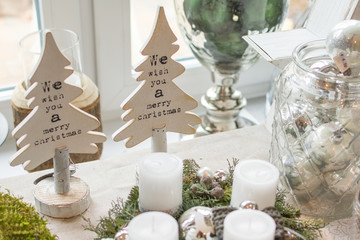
55	128
158	105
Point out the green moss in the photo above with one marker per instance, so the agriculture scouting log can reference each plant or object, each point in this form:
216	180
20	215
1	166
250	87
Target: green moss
18	220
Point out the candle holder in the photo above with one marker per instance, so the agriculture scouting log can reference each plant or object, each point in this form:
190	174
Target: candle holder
67	42
214	34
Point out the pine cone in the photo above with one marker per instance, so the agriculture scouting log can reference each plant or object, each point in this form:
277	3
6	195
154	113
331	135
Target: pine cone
217	192
206	179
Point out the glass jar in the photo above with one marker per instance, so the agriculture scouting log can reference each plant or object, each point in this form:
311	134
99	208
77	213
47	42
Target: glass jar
356	213
315	139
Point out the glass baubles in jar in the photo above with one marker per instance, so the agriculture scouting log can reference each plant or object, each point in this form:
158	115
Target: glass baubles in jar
315	142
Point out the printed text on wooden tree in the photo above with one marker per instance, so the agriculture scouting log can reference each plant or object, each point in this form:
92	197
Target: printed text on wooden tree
158	101
54	122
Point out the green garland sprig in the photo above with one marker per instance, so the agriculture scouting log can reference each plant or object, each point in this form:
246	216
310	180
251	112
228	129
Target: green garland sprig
122	212
20	221
292	218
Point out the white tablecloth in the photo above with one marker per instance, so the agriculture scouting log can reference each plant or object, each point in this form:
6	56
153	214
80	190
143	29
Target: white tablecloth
112	178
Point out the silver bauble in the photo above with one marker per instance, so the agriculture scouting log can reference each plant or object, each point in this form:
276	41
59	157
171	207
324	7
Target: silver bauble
343	45
197	224
342	182
249	205
291	234
328	147
326	66
302	178
122	234
325	90
221	175
302	125
349	117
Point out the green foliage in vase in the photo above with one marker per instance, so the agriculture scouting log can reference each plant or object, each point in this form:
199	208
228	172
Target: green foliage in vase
19	221
122	212
225	22
274	13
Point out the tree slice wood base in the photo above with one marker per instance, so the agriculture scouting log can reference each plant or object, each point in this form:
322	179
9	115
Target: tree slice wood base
68	205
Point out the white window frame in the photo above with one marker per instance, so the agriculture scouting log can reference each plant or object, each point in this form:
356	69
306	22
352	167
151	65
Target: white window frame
116	80
103	27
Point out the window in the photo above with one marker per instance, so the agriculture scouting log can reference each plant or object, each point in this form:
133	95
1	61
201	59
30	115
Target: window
72	14
114	66
104	29
298	12
114	62
17	18
142	21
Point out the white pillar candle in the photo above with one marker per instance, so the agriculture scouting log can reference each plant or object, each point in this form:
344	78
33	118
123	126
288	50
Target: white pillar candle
153	226
249	224
160	182
255	180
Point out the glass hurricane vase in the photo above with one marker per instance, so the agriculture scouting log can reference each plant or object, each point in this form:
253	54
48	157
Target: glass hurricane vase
68	43
214	29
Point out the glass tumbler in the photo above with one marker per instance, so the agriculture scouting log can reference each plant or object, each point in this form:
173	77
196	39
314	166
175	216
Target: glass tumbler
67	42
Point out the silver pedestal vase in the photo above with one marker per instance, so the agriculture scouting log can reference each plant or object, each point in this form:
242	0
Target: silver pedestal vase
214	29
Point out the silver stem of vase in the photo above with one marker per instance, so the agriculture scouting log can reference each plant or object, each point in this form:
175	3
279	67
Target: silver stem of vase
223	104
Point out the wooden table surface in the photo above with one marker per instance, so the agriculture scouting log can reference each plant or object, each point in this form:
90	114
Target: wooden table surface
112	178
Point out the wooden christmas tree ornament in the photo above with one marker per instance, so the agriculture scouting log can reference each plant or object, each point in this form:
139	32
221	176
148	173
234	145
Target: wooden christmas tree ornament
53	129
158	105
88	101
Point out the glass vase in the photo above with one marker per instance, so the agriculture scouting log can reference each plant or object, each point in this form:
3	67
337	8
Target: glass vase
214	29
315	139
